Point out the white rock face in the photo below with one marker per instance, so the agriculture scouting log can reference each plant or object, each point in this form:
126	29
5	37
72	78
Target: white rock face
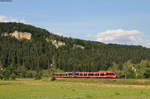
19	35
57	43
78	46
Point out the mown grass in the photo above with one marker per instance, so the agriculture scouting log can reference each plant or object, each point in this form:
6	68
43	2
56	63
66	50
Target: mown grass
74	89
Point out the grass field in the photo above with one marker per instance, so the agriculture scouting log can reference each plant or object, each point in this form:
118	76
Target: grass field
75	89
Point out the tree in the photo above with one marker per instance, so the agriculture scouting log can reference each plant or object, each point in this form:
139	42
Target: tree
75	55
141	68
9	73
128	68
115	68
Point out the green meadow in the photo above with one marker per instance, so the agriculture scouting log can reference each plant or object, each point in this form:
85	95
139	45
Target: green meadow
74	89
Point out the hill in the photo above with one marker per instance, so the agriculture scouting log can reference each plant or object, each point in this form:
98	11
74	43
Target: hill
44	49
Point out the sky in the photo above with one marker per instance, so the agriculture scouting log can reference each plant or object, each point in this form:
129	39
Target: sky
108	21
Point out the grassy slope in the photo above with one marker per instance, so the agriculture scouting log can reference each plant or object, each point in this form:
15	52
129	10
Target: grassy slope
74	89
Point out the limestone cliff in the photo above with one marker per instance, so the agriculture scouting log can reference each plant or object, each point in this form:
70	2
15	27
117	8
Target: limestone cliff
19	35
56	43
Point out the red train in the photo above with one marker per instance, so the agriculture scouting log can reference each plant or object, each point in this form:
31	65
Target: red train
85	75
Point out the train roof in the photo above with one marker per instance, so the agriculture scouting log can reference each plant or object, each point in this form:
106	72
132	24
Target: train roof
86	72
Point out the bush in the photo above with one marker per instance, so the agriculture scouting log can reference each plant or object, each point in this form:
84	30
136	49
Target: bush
1	75
131	74
30	74
20	71
13	76
45	73
6	74
147	73
53	79
38	76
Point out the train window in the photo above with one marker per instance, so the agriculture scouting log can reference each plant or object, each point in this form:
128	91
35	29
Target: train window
76	73
62	74
96	74
81	74
91	74
70	74
110	74
85	74
102	74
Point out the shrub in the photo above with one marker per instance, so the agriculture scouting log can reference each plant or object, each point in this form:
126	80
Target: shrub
147	73
53	79
38	76
6	74
30	74
13	76
1	75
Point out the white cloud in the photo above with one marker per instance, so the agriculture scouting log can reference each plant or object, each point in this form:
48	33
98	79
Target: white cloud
121	36
9	19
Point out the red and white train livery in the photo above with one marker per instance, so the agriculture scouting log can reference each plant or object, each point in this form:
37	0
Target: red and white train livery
85	75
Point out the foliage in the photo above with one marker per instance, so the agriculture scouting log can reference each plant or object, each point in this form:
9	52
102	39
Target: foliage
53	78
40	54
21	71
8	73
38	76
131	70
13	76
30	74
1	75
147	73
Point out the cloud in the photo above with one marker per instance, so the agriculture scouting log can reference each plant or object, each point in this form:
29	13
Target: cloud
121	36
9	19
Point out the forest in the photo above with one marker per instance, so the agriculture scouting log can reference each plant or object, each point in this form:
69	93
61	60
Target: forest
42	53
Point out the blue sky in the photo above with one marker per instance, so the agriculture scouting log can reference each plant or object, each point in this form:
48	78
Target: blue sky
86	19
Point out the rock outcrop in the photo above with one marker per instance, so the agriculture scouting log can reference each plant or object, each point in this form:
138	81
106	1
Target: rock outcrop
19	35
57	43
78	46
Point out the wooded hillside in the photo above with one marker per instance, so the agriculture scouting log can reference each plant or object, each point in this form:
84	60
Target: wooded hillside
45	50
